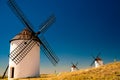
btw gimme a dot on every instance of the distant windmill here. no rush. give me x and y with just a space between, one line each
115 59
97 60
24 57
74 67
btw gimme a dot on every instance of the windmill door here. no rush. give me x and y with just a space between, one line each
12 72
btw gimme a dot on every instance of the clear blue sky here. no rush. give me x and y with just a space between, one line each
82 28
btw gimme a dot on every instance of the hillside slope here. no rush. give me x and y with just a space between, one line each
106 72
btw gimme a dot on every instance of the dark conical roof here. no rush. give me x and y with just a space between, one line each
26 34
73 66
98 59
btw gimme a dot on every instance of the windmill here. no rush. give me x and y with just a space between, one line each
24 57
115 59
97 60
74 67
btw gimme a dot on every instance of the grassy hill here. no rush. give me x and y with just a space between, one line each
106 72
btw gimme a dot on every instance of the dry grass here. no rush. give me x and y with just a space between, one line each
106 72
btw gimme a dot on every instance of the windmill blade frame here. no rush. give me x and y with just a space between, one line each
92 62
77 68
98 54
21 51
76 64
48 51
18 12
45 25
93 56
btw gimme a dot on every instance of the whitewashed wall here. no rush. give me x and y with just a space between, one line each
98 63
29 66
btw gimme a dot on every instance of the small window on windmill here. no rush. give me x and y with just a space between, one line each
25 43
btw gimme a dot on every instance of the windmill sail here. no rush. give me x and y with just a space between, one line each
44 26
20 52
98 54
22 49
93 60
14 7
92 63
48 51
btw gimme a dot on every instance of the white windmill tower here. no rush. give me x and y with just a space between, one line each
97 61
24 57
74 67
